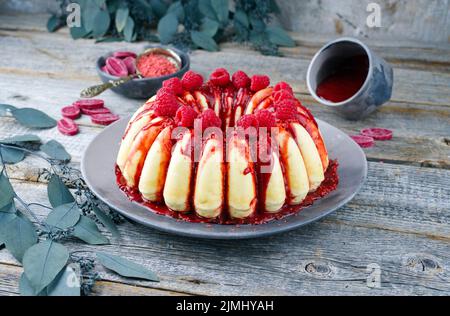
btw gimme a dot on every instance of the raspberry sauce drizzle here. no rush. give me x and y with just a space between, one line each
227 101
328 185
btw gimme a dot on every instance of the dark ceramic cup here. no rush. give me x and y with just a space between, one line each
142 88
374 92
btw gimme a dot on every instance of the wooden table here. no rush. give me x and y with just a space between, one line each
399 222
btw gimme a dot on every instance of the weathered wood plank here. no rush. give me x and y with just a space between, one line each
400 221
421 135
10 275
53 57
407 53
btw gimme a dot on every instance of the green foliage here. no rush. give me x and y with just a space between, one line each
49 267
87 231
55 150
125 267
19 235
64 216
33 118
43 262
187 24
58 193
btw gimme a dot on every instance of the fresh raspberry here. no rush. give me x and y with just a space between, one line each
286 110
220 77
259 82
283 86
174 84
164 91
249 120
240 79
266 119
210 119
192 80
281 95
166 103
185 116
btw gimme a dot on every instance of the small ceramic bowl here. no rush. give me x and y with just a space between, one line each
146 87
375 91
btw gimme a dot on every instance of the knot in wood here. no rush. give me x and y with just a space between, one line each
319 269
423 263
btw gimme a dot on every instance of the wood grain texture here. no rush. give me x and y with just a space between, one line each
419 117
399 220
419 20
52 59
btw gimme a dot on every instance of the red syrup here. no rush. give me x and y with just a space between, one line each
328 185
347 79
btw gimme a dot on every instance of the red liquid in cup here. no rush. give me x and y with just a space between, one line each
345 81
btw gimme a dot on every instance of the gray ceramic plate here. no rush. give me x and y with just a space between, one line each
98 171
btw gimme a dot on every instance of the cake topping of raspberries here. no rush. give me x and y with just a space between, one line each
281 95
259 82
210 119
266 119
166 103
286 110
220 77
174 85
249 120
192 80
283 86
163 92
240 79
185 116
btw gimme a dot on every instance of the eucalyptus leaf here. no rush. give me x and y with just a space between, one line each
125 267
7 214
204 41
53 23
207 10
64 216
43 262
6 108
55 150
279 36
11 155
109 39
20 234
88 14
167 27
10 208
33 118
241 17
26 289
78 32
87 231
257 24
101 23
159 7
209 27
100 3
57 192
18 139
220 7
128 32
6 191
66 283
106 220
274 6
121 18
177 8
